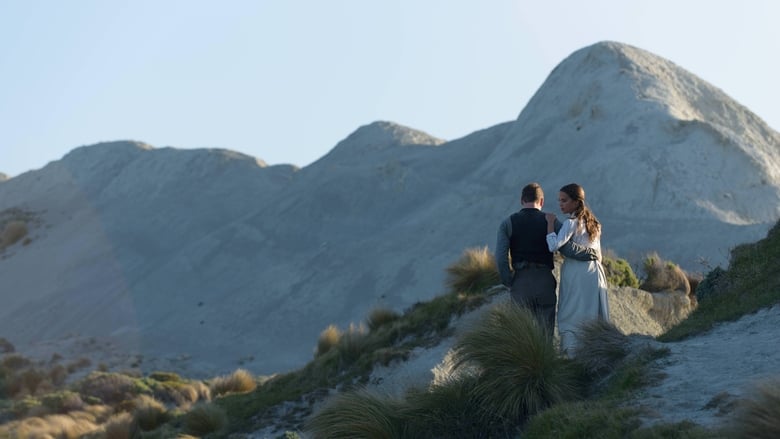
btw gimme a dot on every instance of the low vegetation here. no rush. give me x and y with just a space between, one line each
507 378
474 272
758 416
751 282
662 275
619 272
15 226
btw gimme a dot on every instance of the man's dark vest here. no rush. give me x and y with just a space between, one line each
528 241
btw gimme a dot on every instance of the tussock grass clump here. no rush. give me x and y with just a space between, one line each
51 426
354 342
663 275
329 338
111 388
521 370
240 381
600 347
474 272
179 392
449 409
12 233
205 418
758 416
379 317
149 413
119 426
358 414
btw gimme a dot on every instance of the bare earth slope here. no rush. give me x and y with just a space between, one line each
213 257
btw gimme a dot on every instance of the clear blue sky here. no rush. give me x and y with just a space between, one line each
286 80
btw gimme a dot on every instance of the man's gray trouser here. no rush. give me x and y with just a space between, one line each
534 288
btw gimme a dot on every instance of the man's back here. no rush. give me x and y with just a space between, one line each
527 241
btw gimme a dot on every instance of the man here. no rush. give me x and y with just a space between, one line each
523 237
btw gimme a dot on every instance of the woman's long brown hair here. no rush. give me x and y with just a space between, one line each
582 213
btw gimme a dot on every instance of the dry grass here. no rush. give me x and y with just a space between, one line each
111 388
12 233
474 272
119 426
240 381
51 426
379 317
353 343
663 275
329 339
149 413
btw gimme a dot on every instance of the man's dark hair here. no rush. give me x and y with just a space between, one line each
532 192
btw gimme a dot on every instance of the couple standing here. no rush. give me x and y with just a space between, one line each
530 237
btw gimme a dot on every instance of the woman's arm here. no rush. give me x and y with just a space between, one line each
556 240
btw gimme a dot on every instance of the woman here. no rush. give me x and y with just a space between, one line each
583 284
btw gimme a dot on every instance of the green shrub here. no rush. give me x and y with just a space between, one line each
240 381
474 272
57 374
22 407
15 362
358 414
205 418
585 419
711 284
62 402
663 276
521 370
165 376
379 317
619 272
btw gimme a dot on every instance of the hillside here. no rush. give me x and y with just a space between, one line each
210 259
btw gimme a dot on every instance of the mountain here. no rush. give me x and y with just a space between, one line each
213 259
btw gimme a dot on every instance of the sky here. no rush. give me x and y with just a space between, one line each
286 80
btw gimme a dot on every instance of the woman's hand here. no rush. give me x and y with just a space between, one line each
550 217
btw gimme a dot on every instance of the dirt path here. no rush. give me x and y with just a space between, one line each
706 375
